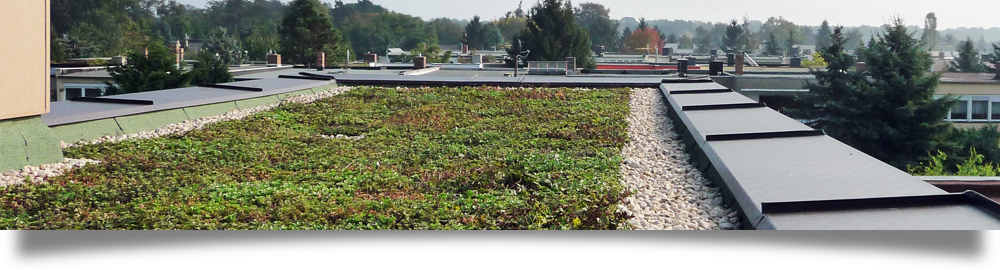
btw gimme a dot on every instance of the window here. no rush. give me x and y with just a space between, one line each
980 109
960 111
96 92
73 92
996 111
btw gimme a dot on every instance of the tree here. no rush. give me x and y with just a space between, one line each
968 59
491 36
854 39
552 35
341 11
949 39
792 40
643 41
209 69
595 18
227 48
307 31
703 40
57 52
474 33
262 41
930 37
672 38
642 24
995 59
448 31
823 36
510 27
772 47
376 32
621 42
685 42
748 41
734 33
150 71
893 115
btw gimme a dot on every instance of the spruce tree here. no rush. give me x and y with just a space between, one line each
150 68
642 24
823 36
790 44
889 111
210 69
552 34
772 47
672 38
306 30
968 59
994 57
734 34
474 33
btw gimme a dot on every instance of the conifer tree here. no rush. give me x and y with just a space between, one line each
823 36
734 34
552 34
968 59
994 58
474 33
672 38
772 47
150 68
306 31
889 111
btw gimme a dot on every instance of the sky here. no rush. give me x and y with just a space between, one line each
950 14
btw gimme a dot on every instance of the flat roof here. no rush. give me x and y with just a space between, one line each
68 112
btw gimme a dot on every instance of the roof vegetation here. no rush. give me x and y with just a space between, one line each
430 158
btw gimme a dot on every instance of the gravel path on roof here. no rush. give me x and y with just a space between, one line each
668 192
38 174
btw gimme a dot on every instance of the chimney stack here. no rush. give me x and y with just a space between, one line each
274 60
321 61
177 54
739 64
682 67
419 62
715 68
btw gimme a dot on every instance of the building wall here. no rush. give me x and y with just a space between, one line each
24 58
962 89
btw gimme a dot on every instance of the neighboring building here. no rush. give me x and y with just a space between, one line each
24 26
978 98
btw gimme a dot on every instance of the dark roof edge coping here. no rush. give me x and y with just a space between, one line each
144 109
959 178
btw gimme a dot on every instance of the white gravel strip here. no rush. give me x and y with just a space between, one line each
40 173
668 193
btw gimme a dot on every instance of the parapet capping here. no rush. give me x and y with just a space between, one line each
785 175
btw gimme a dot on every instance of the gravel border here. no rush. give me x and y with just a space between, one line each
668 193
38 174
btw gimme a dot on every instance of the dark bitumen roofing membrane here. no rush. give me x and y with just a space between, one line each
785 175
68 112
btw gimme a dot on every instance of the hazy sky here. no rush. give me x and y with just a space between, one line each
950 14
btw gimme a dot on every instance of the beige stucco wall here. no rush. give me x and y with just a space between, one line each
24 58
967 89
